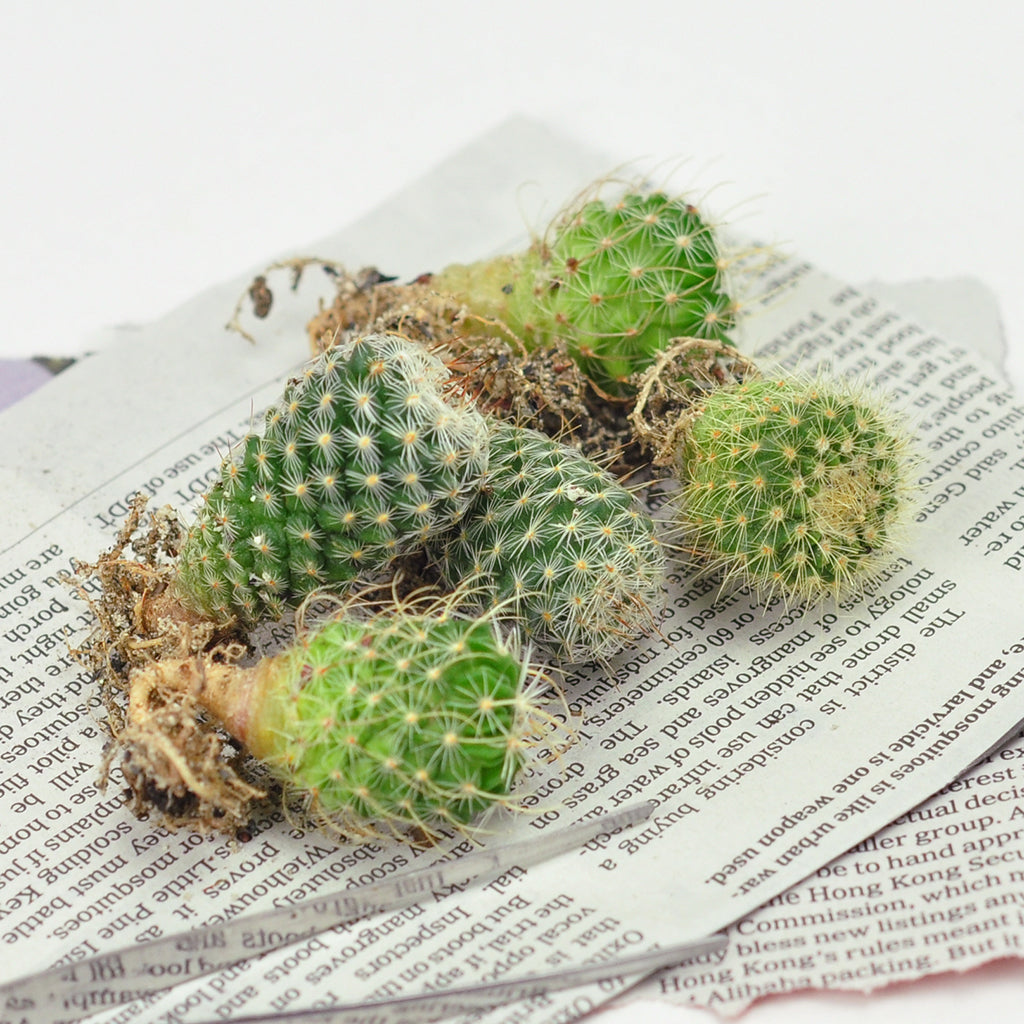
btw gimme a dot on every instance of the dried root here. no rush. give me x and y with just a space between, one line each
177 765
670 389
137 621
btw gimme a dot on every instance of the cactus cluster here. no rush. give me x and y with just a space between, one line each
795 487
614 280
414 722
554 542
364 455
394 727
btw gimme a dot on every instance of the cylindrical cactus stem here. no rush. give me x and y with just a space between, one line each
363 459
396 727
555 543
794 487
614 280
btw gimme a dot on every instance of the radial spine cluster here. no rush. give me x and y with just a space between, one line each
363 456
615 280
555 543
794 487
410 721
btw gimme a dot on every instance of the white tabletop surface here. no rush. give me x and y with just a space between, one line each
151 149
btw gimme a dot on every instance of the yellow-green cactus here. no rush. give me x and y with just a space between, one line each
397 727
794 487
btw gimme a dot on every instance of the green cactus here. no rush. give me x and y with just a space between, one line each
614 280
362 457
794 487
395 727
555 542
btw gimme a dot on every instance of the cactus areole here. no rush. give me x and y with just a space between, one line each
794 487
615 280
363 456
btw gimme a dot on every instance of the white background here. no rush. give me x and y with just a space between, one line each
148 150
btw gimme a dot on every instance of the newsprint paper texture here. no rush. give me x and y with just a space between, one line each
771 740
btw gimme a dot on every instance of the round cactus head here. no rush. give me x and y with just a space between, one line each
412 722
556 544
418 722
616 280
363 458
794 487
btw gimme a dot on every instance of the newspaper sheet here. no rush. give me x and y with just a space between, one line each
772 740
884 915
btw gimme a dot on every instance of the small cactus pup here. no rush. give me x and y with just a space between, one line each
615 280
557 544
794 487
415 721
